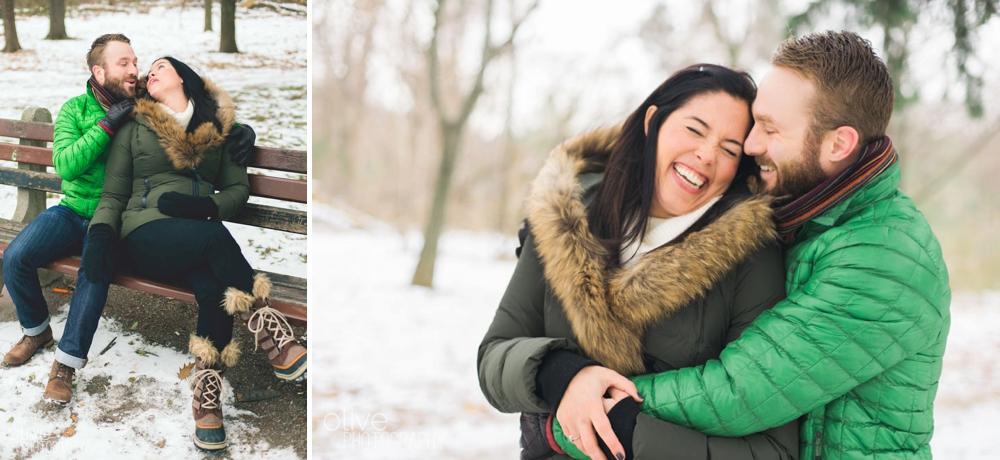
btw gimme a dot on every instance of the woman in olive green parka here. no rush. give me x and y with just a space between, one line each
170 182
583 298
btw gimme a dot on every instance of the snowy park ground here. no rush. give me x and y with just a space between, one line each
127 404
398 380
267 81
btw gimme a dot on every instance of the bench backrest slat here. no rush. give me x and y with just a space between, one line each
32 130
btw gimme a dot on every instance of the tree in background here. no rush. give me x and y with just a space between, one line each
11 45
208 15
227 29
57 20
451 126
896 18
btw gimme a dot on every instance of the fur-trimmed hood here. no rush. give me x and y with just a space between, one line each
186 150
609 311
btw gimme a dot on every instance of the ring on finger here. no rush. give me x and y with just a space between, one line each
573 438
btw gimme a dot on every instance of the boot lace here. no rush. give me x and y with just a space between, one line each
276 325
213 392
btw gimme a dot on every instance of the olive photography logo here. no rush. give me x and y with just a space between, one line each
373 431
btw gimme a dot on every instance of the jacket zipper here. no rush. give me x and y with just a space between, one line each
148 188
818 446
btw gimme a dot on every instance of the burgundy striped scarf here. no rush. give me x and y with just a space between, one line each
104 98
875 158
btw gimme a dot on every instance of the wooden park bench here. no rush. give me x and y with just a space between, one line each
32 156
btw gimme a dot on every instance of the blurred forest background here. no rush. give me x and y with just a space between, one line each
437 115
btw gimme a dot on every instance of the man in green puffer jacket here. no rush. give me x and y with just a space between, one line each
856 348
83 130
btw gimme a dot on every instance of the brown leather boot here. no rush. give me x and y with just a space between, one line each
270 329
207 388
59 390
27 346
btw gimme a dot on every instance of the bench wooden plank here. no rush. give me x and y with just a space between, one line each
286 220
36 131
294 161
257 215
286 160
286 295
25 154
278 188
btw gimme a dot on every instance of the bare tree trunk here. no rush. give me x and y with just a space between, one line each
227 44
424 274
57 20
208 15
451 132
11 45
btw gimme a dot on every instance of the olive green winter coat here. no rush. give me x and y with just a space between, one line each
152 155
79 151
678 306
857 345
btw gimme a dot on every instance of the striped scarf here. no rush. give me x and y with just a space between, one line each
104 98
875 158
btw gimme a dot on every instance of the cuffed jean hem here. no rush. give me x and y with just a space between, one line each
33 331
67 359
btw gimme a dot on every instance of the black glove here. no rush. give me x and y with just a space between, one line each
243 148
184 206
99 255
117 115
622 418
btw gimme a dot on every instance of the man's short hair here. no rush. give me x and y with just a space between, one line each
96 54
853 86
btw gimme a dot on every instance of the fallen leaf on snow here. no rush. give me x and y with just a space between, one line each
69 432
185 371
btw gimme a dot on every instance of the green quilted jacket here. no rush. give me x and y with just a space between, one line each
79 152
857 346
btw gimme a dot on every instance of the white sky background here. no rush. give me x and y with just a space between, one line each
591 51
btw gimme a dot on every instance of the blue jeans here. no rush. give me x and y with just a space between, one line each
57 232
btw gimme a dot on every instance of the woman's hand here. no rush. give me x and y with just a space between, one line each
184 206
583 409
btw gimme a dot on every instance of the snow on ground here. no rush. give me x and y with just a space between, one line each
267 81
397 378
131 392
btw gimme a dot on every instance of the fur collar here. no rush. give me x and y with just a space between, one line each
609 312
186 150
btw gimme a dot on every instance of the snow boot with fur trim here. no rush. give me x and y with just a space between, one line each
206 384
270 329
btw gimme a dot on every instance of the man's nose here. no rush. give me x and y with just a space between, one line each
756 143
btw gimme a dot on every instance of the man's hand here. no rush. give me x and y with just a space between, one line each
116 115
243 147
582 410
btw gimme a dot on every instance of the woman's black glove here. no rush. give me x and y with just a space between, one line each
184 206
243 148
99 254
116 115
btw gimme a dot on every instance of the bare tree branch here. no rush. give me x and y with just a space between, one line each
434 63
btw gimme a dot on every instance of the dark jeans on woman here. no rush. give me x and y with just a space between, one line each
200 254
57 232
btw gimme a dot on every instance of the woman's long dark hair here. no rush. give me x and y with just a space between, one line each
620 211
194 89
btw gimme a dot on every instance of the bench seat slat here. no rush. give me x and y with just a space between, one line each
286 297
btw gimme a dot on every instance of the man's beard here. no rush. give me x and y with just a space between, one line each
116 86
796 178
